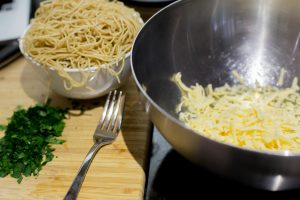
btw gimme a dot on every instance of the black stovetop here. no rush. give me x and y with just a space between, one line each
170 176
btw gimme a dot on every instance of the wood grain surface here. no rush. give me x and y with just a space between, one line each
117 171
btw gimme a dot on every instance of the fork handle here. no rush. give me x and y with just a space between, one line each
76 185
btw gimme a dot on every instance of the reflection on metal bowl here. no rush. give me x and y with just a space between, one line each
206 40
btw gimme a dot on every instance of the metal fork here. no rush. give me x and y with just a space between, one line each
105 133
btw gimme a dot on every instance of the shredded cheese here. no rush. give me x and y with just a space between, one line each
255 117
281 77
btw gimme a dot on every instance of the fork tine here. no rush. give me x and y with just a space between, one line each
110 111
116 111
105 108
120 116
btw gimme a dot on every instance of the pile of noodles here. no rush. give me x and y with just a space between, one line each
81 34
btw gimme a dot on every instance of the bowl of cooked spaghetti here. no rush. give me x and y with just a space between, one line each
81 48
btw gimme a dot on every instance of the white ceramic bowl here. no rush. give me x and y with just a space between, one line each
102 82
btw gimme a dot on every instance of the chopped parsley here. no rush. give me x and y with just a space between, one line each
26 145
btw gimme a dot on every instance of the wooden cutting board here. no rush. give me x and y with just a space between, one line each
117 171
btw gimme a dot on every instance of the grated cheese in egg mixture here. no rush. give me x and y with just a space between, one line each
258 117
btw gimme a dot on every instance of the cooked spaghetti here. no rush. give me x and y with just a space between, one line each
258 117
81 34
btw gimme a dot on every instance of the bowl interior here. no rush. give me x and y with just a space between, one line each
206 40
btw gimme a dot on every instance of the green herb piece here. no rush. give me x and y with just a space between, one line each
2 127
26 145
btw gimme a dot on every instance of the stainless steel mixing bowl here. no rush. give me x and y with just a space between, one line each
206 40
